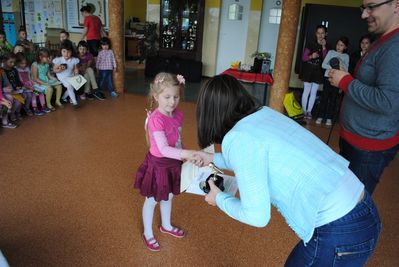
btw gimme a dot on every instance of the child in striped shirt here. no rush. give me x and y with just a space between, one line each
105 64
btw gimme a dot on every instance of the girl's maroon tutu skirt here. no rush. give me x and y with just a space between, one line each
157 177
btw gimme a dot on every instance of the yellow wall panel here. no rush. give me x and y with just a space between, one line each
353 3
256 5
213 3
137 8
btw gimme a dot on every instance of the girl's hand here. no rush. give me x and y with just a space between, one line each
211 196
187 154
201 158
335 76
314 55
6 103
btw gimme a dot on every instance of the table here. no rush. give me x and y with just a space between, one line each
251 77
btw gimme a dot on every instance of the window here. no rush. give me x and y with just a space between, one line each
235 12
275 16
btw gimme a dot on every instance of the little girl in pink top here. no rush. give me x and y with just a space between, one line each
158 177
24 73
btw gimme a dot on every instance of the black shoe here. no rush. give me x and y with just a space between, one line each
90 96
64 101
99 95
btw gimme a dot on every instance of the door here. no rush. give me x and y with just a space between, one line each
232 34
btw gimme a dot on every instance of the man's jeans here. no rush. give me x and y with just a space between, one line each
367 165
348 241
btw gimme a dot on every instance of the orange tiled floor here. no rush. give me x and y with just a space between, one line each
66 198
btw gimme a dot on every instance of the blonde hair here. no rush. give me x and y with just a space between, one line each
162 81
165 80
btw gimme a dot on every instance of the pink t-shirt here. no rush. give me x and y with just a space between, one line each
161 127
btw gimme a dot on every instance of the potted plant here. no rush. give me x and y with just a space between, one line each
149 45
261 62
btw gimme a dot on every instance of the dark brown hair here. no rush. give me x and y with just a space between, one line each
43 52
222 102
85 8
65 32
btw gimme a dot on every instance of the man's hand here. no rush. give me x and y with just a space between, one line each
335 76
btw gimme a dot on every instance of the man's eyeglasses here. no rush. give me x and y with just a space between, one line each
370 8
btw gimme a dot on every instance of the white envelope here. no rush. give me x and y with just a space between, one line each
76 81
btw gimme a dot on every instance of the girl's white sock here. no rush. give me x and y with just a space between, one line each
148 216
166 211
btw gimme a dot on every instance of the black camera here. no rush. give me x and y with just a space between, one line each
64 66
217 179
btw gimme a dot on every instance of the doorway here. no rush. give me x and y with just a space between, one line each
232 34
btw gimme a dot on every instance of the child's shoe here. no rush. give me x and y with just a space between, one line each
100 96
83 96
318 121
46 110
114 94
152 244
38 112
89 96
59 105
328 122
28 112
9 125
176 232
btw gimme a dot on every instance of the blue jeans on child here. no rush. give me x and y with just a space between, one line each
106 80
367 165
348 241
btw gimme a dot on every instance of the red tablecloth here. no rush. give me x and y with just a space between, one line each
250 77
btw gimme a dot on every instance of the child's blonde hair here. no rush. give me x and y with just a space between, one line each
165 80
161 81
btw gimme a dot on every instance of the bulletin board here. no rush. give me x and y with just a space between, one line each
75 19
42 14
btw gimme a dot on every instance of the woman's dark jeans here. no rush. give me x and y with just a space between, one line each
348 241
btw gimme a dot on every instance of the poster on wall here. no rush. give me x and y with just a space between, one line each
42 14
97 9
75 19
6 5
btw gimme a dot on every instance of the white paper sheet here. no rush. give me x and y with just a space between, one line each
191 176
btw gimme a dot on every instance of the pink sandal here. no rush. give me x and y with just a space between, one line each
153 246
176 232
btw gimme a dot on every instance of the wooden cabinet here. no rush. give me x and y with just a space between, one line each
181 28
131 47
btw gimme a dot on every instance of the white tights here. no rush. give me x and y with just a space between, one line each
309 89
148 214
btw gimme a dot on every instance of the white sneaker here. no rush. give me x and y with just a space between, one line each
328 122
319 120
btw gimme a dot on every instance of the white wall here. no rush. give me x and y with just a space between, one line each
269 32
232 36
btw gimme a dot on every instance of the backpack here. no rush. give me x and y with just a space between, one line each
293 108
